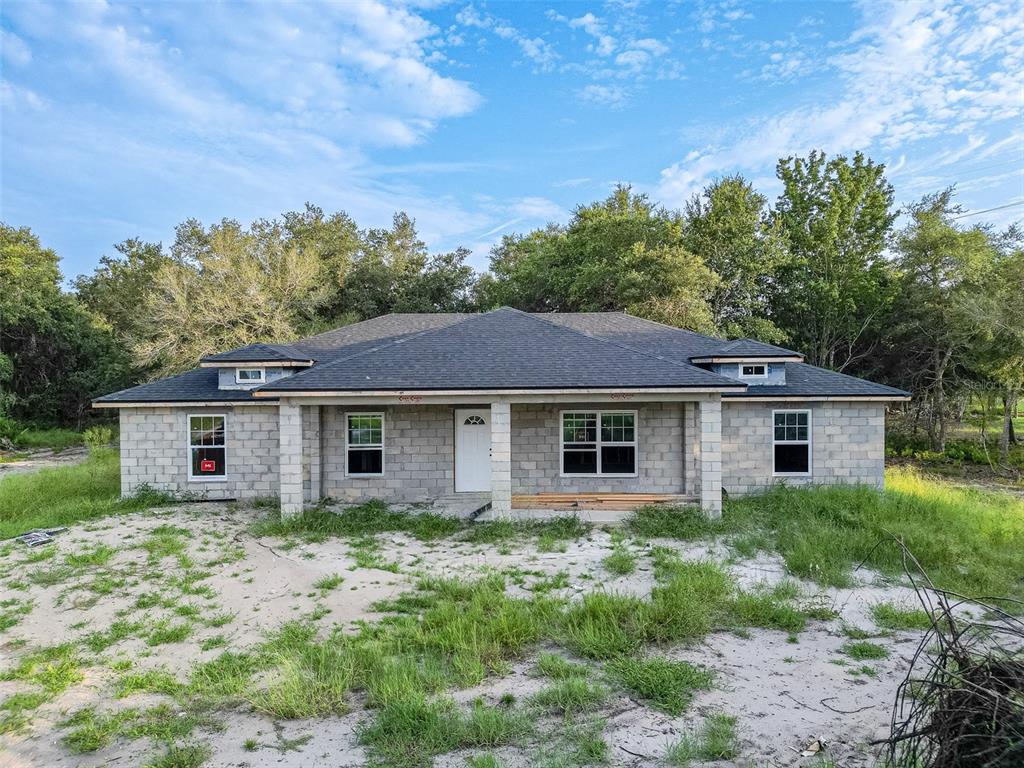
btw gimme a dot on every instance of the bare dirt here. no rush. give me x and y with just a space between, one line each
24 462
786 692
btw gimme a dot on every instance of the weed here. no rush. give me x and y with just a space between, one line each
571 695
54 669
559 668
327 583
164 632
150 681
668 685
367 519
894 617
98 555
672 522
621 561
861 650
120 629
716 740
186 756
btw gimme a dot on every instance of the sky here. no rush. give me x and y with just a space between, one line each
481 119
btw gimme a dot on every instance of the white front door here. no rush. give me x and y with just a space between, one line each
472 449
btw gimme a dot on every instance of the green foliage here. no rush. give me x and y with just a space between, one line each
836 216
182 756
559 668
98 437
894 617
862 650
55 356
570 695
24 435
621 561
65 495
668 685
715 740
362 520
968 541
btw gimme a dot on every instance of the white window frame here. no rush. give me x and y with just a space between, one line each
746 376
599 443
808 442
188 448
363 447
261 380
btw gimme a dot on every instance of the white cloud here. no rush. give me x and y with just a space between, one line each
536 49
603 95
13 49
903 76
605 44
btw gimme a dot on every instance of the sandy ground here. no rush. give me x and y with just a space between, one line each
785 694
23 462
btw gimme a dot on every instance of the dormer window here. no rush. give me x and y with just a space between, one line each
753 371
250 375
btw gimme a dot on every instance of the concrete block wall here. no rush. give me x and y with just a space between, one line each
536 463
847 444
154 452
711 456
419 454
501 458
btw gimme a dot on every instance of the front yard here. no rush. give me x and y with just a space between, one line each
208 633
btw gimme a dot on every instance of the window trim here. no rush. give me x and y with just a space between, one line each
809 442
747 376
188 448
598 412
261 380
383 443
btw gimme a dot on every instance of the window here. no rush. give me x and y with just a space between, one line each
249 375
599 443
206 448
474 421
759 371
791 442
364 444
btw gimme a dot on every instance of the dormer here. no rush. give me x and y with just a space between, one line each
256 364
752 362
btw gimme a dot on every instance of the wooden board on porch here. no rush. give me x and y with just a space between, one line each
617 501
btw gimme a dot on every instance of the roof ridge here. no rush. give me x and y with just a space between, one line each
540 318
322 366
659 324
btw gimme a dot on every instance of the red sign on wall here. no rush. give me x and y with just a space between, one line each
207 465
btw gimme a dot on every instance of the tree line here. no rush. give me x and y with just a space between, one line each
928 302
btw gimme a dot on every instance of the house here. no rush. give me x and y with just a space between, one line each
519 409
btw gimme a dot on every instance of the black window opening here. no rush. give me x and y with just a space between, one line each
364 436
599 443
791 438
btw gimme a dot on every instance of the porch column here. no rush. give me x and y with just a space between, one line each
290 462
711 456
315 461
501 458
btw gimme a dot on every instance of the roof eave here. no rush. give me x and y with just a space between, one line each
747 359
205 363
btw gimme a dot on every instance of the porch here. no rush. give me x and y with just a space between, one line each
591 453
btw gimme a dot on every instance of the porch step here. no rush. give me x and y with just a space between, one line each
596 501
595 516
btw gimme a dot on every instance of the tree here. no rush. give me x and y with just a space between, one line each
54 356
730 227
832 295
226 287
120 285
945 275
620 253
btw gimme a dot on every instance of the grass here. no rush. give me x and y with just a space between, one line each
119 630
621 562
327 583
367 519
716 740
969 541
164 632
409 732
894 617
862 650
25 436
668 685
182 756
61 496
559 668
570 696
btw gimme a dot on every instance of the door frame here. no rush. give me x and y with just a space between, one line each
459 414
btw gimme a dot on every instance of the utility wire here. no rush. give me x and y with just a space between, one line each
989 210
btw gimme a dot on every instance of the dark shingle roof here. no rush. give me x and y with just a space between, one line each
198 385
803 380
751 348
504 349
260 353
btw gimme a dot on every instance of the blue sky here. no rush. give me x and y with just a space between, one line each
123 119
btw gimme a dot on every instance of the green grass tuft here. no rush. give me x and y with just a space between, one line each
668 685
894 617
621 561
367 519
716 740
570 696
862 650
